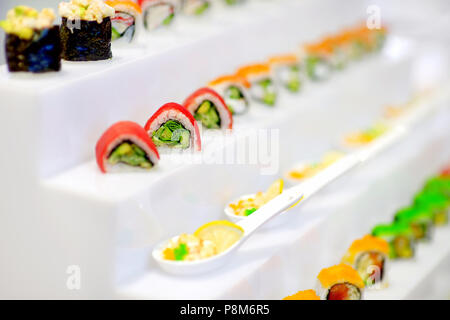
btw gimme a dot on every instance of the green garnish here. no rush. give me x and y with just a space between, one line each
234 93
248 212
172 134
202 8
180 252
269 96
231 2
168 19
294 79
207 115
130 154
114 34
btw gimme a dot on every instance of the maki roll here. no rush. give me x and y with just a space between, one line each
174 126
158 13
400 238
32 43
86 30
125 144
368 256
340 282
419 219
303 295
287 71
435 203
210 109
126 21
317 60
262 88
233 89
195 7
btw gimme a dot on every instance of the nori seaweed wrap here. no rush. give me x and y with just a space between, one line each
84 40
41 53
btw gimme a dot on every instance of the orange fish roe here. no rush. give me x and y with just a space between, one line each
303 295
284 59
366 243
253 69
230 78
339 274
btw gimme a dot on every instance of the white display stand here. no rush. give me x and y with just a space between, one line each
58 210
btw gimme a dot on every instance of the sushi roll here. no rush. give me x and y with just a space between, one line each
157 13
317 61
174 126
260 77
86 30
287 71
340 282
125 144
369 256
420 221
436 203
126 21
208 107
32 43
195 7
234 90
303 295
400 238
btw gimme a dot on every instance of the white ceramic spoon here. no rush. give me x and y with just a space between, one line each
265 213
274 207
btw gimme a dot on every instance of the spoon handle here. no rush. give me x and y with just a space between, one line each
270 210
327 175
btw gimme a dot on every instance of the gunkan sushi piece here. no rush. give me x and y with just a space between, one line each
208 107
287 71
157 13
174 126
420 221
340 282
369 256
234 90
125 145
400 238
303 295
195 7
260 77
126 21
32 43
86 30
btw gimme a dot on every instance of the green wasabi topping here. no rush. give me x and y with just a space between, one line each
202 8
269 96
207 115
130 154
420 221
248 212
293 84
400 238
172 134
180 252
